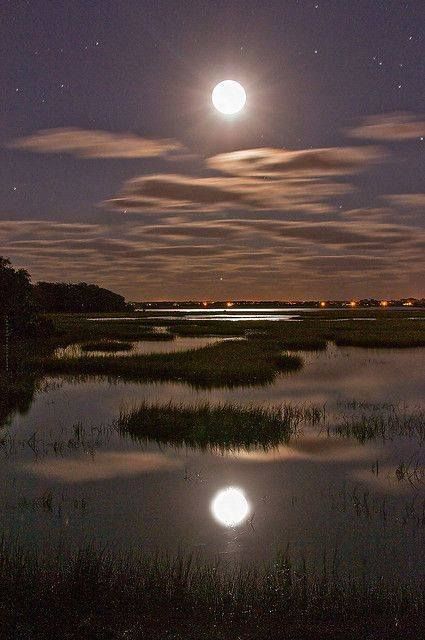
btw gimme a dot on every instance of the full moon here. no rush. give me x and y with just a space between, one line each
229 97
230 507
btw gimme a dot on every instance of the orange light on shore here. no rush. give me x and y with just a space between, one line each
408 304
205 304
384 303
229 304
353 303
323 304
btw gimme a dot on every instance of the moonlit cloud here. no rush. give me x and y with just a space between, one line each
84 143
152 260
407 200
160 193
245 221
256 179
305 163
391 127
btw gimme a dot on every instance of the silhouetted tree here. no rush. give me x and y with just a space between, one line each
66 297
17 307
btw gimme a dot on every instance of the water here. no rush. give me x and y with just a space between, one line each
318 495
230 313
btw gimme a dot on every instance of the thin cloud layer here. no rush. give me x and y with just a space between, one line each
223 257
256 179
248 220
305 163
173 192
392 126
84 143
409 200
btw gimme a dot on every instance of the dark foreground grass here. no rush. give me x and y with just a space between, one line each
107 346
224 426
101 595
227 363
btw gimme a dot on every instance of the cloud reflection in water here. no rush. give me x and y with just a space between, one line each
104 466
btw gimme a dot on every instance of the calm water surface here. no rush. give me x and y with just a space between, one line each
317 495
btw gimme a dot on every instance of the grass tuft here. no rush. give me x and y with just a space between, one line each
228 363
227 426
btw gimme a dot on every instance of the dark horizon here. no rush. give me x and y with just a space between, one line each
407 302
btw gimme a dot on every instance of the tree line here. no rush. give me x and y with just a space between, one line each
21 302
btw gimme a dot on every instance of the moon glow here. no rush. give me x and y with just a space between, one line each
229 97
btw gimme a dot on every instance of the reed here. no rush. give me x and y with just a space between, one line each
226 426
99 593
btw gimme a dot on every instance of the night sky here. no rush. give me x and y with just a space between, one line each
116 169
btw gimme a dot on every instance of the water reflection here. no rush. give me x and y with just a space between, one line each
104 466
311 448
230 507
366 500
143 347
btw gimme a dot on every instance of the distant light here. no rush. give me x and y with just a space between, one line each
205 304
229 304
384 303
323 304
230 507
353 303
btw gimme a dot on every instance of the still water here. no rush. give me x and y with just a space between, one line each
69 478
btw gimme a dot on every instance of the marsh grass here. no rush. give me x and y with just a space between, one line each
227 363
76 328
81 438
224 426
412 470
382 422
377 330
366 328
101 594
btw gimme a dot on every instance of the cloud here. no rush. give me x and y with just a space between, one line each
391 126
408 200
173 192
84 143
256 179
305 163
222 256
